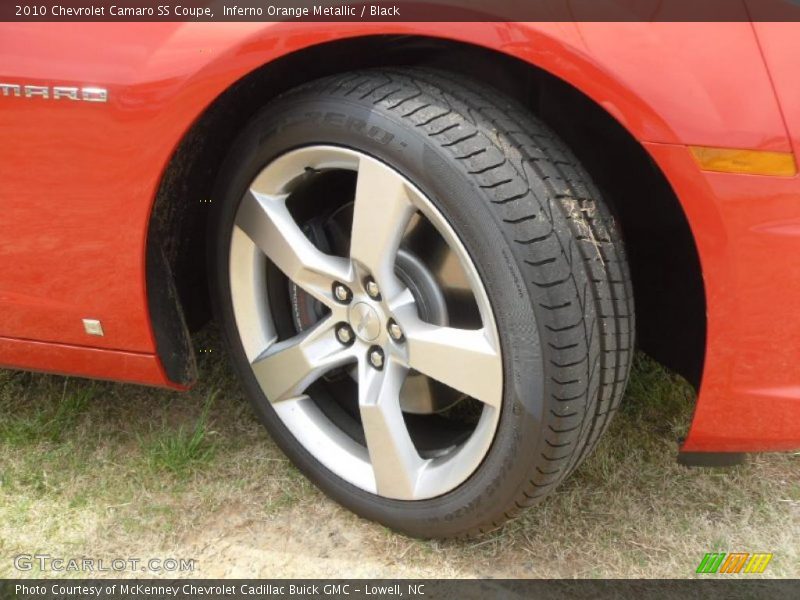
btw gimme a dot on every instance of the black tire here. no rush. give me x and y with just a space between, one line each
543 241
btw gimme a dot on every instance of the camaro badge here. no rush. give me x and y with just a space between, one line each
58 92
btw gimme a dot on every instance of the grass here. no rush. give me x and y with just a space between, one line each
183 450
43 421
109 470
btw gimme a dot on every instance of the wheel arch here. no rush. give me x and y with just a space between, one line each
667 277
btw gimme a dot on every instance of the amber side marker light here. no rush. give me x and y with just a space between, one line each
751 162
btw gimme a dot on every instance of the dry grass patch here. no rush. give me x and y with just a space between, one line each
111 470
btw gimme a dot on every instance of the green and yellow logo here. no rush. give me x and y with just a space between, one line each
735 562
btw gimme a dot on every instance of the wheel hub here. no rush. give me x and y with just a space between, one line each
365 321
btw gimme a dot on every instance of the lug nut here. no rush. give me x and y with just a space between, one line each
375 356
344 334
342 293
394 330
372 289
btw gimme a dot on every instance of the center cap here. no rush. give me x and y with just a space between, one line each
365 321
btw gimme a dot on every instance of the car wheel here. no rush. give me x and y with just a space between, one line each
423 294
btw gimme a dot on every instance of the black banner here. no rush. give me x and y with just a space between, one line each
400 10
360 589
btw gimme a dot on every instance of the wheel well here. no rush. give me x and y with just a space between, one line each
667 279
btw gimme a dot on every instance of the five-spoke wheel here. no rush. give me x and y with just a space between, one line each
423 295
372 323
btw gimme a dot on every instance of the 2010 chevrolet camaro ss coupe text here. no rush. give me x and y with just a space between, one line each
423 243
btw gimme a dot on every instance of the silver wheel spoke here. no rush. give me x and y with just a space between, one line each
266 220
395 461
381 213
464 359
287 368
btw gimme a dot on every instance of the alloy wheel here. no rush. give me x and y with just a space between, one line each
372 328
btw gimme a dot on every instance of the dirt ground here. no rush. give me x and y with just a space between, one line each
107 470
